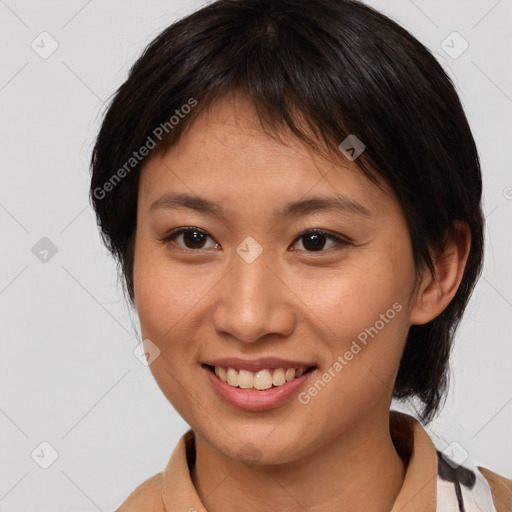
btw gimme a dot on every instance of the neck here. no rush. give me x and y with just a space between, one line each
358 470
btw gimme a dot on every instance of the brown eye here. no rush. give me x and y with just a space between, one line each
191 238
316 240
194 238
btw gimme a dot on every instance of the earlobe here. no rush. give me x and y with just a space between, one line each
436 291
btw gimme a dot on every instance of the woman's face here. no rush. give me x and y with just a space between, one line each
250 280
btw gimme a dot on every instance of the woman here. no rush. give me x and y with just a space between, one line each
294 196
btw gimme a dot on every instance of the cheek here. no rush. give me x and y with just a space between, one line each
369 328
151 296
170 304
354 298
157 308
365 319
163 303
156 289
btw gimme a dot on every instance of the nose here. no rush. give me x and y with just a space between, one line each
253 301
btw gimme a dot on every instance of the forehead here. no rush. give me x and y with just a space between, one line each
226 152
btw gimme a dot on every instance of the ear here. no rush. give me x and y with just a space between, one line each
435 292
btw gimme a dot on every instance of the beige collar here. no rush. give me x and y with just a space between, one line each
418 492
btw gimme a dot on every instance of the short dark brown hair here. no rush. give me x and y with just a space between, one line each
325 69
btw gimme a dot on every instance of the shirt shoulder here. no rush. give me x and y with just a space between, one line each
147 496
501 489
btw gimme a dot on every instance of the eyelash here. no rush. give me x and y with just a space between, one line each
340 240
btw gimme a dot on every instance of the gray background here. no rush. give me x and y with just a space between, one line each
68 375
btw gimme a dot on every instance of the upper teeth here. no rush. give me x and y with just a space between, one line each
263 379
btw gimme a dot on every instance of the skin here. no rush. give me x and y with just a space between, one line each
292 302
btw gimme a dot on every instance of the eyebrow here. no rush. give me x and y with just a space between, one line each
340 204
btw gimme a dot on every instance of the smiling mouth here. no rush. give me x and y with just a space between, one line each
260 380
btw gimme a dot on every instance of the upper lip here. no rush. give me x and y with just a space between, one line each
256 365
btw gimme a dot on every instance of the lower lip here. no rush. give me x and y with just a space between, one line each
254 399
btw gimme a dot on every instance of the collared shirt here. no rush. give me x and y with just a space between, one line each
434 481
